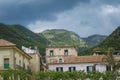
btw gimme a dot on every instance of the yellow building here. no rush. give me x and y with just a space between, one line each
13 58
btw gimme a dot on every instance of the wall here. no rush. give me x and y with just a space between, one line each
6 53
21 58
35 62
59 53
79 66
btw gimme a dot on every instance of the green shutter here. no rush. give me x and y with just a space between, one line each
6 66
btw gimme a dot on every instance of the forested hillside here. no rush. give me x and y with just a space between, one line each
21 36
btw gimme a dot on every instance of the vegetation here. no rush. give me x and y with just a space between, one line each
53 75
113 40
14 74
21 36
63 37
74 75
60 37
115 64
94 39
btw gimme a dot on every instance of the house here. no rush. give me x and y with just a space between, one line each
66 59
86 63
12 57
55 54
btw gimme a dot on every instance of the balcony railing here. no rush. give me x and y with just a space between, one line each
23 68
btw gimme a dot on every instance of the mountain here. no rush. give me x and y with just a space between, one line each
64 37
21 36
113 40
94 39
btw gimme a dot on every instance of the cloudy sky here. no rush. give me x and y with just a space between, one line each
85 17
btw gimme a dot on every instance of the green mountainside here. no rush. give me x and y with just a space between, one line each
64 37
113 40
94 39
21 36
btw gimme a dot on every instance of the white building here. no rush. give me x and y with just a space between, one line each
86 63
57 60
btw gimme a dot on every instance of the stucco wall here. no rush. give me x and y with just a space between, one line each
80 66
21 58
60 51
6 53
12 54
35 62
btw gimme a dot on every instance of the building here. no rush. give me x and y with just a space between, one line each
13 58
66 59
86 63
36 61
56 54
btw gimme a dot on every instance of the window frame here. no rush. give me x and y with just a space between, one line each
89 68
59 69
6 64
51 53
108 68
72 68
66 52
60 60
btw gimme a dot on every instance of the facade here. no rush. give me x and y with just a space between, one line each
86 63
36 61
58 60
13 58
56 54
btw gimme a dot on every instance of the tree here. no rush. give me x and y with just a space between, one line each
111 61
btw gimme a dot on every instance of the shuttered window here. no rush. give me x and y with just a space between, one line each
59 68
6 63
72 69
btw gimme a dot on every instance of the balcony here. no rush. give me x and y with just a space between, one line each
19 67
23 68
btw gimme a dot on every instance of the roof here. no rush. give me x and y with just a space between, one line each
80 59
53 46
5 43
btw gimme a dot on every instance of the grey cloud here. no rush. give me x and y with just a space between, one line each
32 10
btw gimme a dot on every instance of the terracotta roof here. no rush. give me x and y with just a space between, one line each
5 43
80 59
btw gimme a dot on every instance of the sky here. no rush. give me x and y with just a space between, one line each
85 17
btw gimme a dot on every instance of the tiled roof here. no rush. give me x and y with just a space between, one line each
5 43
84 59
80 59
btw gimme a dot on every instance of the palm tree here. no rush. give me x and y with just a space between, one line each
111 61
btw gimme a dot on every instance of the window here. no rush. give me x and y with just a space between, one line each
72 69
20 62
51 53
51 60
60 60
59 68
28 67
15 61
65 52
23 65
89 68
6 63
108 68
